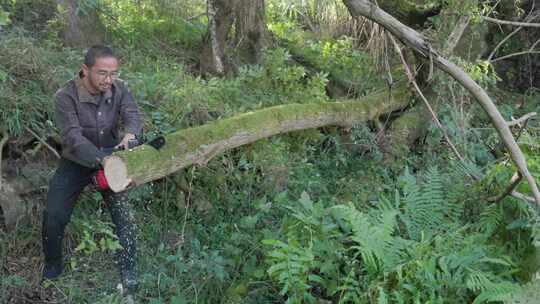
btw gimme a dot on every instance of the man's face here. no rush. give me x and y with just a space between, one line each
102 74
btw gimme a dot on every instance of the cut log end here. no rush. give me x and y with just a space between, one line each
116 173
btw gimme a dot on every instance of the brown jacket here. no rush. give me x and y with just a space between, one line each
90 124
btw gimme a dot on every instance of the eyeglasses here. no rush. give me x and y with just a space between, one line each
105 74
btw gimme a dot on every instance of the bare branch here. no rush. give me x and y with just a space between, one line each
514 23
522 119
490 58
514 181
531 50
514 55
527 19
41 140
522 196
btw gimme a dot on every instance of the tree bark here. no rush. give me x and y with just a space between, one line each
82 28
217 48
251 31
420 45
200 144
246 19
220 20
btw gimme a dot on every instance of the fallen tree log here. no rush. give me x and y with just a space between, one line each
200 144
420 45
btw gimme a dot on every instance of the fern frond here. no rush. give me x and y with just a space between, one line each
490 219
350 290
426 208
374 238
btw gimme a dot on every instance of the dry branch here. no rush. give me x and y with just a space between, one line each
529 18
522 119
43 142
502 42
514 181
198 145
524 197
514 55
514 23
419 44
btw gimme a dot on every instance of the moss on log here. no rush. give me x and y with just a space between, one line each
405 130
200 144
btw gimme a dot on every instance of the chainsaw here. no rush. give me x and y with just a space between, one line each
100 181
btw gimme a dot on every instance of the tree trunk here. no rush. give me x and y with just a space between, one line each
421 46
200 144
251 31
82 27
221 52
220 20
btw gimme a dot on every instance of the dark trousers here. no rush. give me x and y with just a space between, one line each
65 187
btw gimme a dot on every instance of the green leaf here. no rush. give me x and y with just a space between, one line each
249 222
382 296
315 278
4 18
258 274
81 247
271 242
73 264
305 200
518 224
277 267
3 75
178 300
495 261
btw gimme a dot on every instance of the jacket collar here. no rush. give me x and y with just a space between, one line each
84 95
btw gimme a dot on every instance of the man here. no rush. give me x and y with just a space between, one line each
89 109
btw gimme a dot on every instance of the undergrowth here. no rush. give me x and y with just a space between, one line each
411 246
30 72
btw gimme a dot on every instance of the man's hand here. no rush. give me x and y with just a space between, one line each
124 143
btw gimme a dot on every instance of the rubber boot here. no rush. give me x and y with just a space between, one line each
53 269
129 282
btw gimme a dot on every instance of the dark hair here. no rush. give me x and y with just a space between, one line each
97 51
